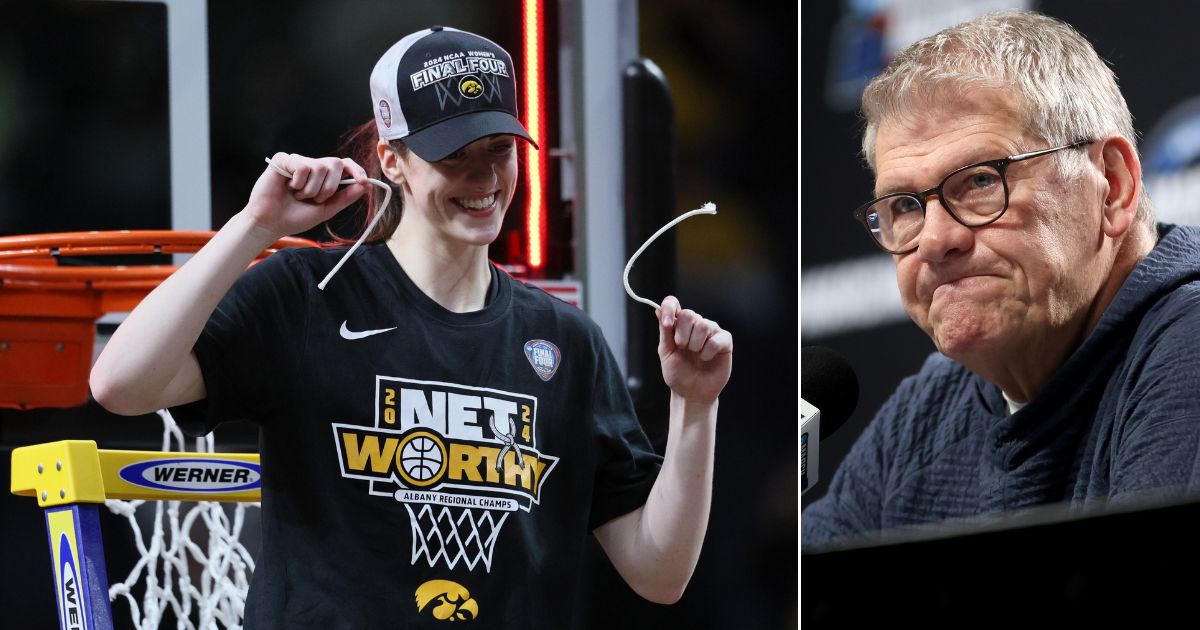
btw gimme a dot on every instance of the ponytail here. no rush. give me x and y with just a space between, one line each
359 143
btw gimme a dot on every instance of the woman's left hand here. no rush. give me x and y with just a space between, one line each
696 353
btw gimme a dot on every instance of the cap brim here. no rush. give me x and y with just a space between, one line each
435 142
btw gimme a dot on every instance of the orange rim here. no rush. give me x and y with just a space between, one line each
27 261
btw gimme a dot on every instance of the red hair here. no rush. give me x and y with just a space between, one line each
360 145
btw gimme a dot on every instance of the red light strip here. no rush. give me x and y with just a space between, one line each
535 122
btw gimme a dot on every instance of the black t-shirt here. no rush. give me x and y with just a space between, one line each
418 464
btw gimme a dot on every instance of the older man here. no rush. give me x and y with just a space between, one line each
1009 193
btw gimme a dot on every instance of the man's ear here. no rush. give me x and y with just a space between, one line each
1123 172
389 161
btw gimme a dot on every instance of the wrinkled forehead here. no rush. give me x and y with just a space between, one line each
984 95
916 146
930 114
925 102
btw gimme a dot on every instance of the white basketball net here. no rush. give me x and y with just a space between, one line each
437 533
172 559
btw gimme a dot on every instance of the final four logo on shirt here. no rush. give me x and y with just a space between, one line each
544 357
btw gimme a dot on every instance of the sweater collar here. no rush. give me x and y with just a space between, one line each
1073 391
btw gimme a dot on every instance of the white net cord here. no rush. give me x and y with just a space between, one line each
209 583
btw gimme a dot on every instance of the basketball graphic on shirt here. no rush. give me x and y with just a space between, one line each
460 458
422 458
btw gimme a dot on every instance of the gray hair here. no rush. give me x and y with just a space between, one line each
1064 90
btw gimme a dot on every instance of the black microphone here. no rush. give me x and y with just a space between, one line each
828 395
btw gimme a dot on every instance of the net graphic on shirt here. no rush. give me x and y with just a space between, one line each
460 458
454 535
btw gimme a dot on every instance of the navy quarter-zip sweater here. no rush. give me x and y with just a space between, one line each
1119 419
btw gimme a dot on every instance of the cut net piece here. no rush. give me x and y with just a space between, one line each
439 533
221 567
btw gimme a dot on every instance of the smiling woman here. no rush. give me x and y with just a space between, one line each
454 202
423 386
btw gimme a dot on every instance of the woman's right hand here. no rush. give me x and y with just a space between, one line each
149 362
281 206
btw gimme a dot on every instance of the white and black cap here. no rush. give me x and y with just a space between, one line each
441 89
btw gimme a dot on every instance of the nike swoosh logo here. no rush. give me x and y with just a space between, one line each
350 334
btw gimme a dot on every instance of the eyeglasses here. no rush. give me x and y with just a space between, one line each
974 195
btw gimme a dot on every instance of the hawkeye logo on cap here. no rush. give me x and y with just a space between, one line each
470 87
544 357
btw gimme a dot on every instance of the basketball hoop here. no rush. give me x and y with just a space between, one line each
48 312
453 535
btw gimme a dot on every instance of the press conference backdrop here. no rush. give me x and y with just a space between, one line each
849 299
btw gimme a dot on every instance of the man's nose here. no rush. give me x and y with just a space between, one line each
941 234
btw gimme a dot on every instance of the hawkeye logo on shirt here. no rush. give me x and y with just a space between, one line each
460 459
446 600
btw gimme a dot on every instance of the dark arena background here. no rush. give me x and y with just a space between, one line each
850 304
157 115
